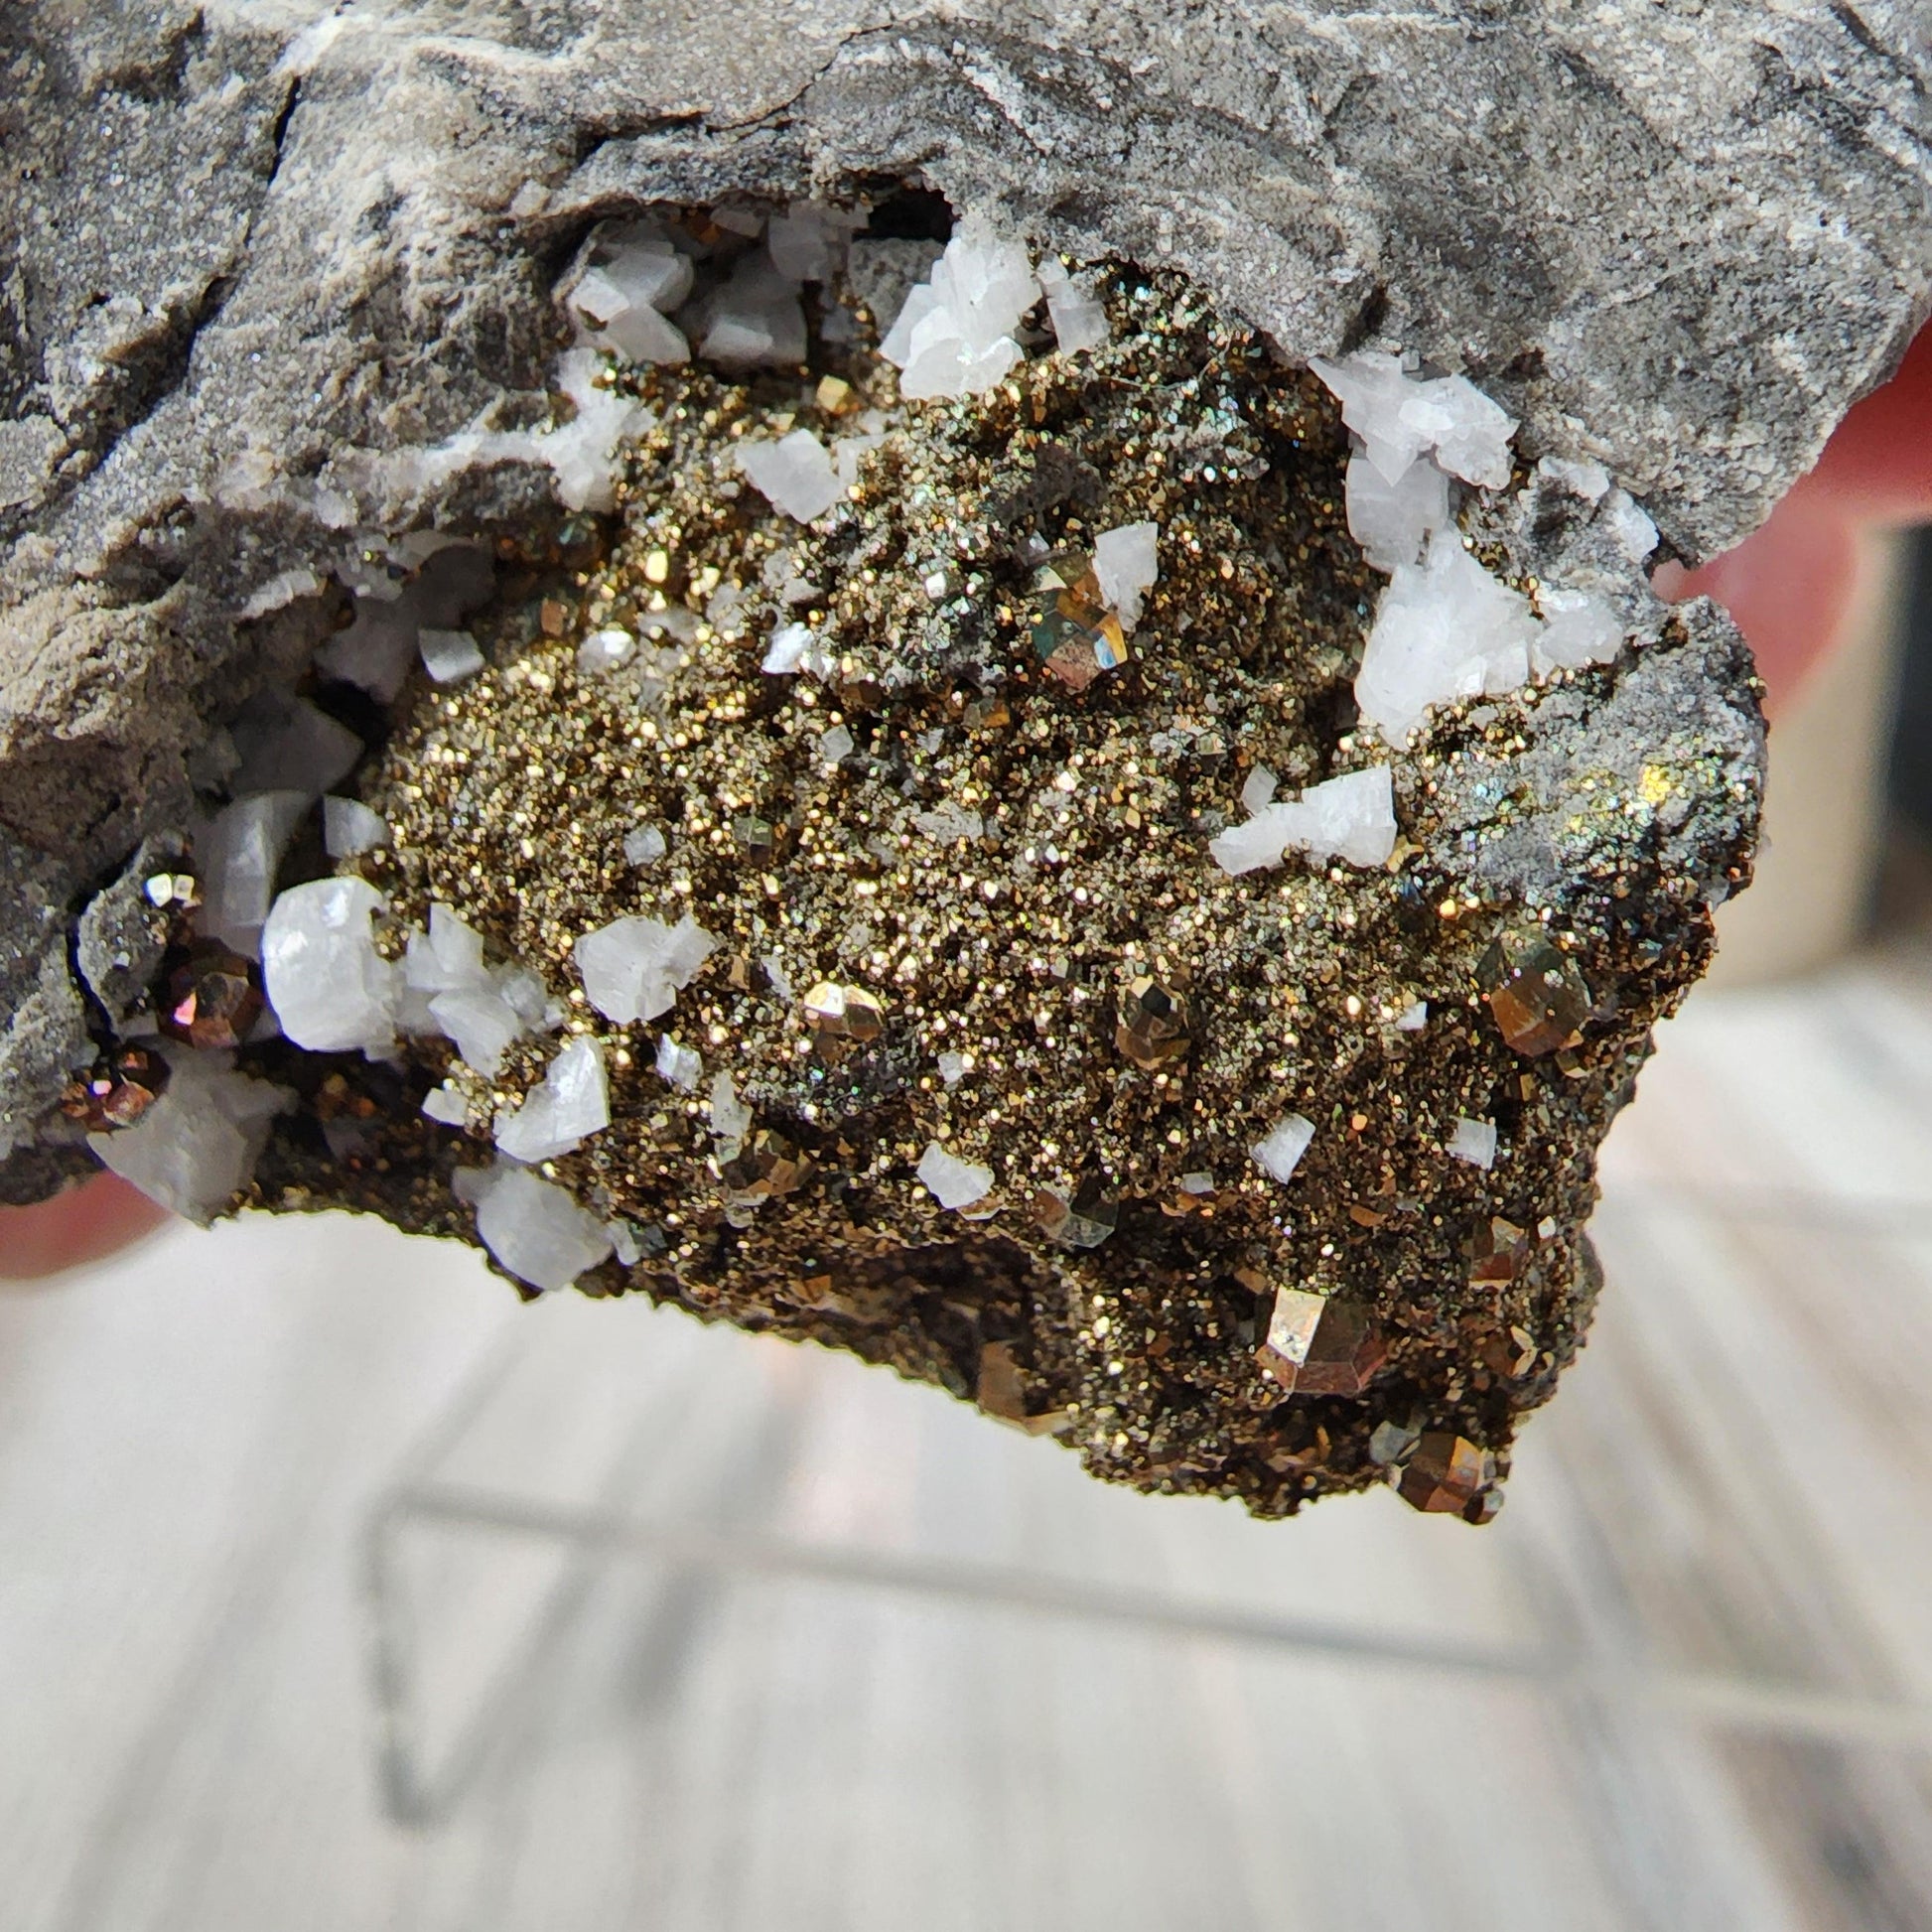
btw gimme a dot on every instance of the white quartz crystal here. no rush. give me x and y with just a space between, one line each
1079 318
774 971
448 656
1279 1152
948 823
1413 1018
730 1119
572 1103
756 320
807 242
1468 433
682 1066
1473 1141
1445 628
1351 817
1393 520
330 989
199 1143
445 1104
1632 525
481 1023
1257 841
583 454
848 450
634 969
534 1228
1401 417
625 301
238 856
608 649
634 330
1587 478
1576 629
796 473
954 336
287 744
379 650
645 265
1126 563
952 1068
349 827
835 745
1258 789
645 846
953 1183
795 648
448 989
446 958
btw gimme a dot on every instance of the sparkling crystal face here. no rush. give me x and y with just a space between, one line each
117 1091
1448 1474
1084 1222
212 999
1536 993
1321 1345
1152 1028
1075 635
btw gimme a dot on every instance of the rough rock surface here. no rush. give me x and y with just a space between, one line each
257 258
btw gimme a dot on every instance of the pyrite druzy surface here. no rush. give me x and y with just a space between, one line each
257 260
1004 875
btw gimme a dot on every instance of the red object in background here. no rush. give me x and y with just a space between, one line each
86 1223
1790 582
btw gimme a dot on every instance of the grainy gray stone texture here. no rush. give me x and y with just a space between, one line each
252 252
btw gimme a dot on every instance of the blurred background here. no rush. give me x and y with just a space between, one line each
339 1592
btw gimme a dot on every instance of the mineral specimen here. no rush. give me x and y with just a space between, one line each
696 568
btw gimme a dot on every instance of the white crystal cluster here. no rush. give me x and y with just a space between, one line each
448 988
198 1143
1445 629
1079 317
955 335
334 993
279 757
1402 419
584 454
1351 818
626 299
398 625
633 969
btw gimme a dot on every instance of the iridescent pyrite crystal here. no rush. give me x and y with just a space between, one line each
975 1062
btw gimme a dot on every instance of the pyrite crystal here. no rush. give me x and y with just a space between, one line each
564 511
